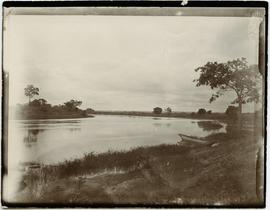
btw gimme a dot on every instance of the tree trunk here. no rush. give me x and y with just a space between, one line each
240 113
240 108
29 101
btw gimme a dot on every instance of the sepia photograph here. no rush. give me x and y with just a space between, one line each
134 106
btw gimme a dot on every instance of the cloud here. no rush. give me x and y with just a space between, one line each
123 63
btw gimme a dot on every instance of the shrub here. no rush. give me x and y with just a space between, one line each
169 110
157 110
201 111
232 110
90 111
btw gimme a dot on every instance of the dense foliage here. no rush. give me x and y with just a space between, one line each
157 110
201 111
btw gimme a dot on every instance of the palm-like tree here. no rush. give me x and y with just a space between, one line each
30 91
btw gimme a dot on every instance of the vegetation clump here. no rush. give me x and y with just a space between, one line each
157 110
201 111
41 109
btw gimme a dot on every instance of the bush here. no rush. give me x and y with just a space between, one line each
232 111
38 102
90 111
157 110
201 111
168 110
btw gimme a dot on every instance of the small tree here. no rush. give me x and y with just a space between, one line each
235 76
201 111
157 110
168 110
30 91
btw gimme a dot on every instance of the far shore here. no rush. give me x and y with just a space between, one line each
173 114
189 115
222 117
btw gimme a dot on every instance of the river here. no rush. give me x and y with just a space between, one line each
52 141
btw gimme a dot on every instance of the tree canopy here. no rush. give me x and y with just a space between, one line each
72 104
38 102
169 110
235 75
157 110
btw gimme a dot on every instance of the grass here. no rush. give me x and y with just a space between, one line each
94 163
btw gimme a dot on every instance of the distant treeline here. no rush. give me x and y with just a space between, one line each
227 116
41 109
165 114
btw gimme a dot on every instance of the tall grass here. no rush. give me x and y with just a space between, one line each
94 163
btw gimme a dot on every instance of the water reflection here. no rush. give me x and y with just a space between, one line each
53 141
209 125
168 124
31 137
162 124
75 129
38 122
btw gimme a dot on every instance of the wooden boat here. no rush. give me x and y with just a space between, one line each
191 138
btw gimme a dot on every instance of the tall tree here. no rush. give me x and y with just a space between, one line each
235 76
30 91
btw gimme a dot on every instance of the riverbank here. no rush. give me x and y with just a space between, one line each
220 173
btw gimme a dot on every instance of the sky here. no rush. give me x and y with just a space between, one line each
124 62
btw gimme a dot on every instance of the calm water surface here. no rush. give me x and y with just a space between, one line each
53 141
